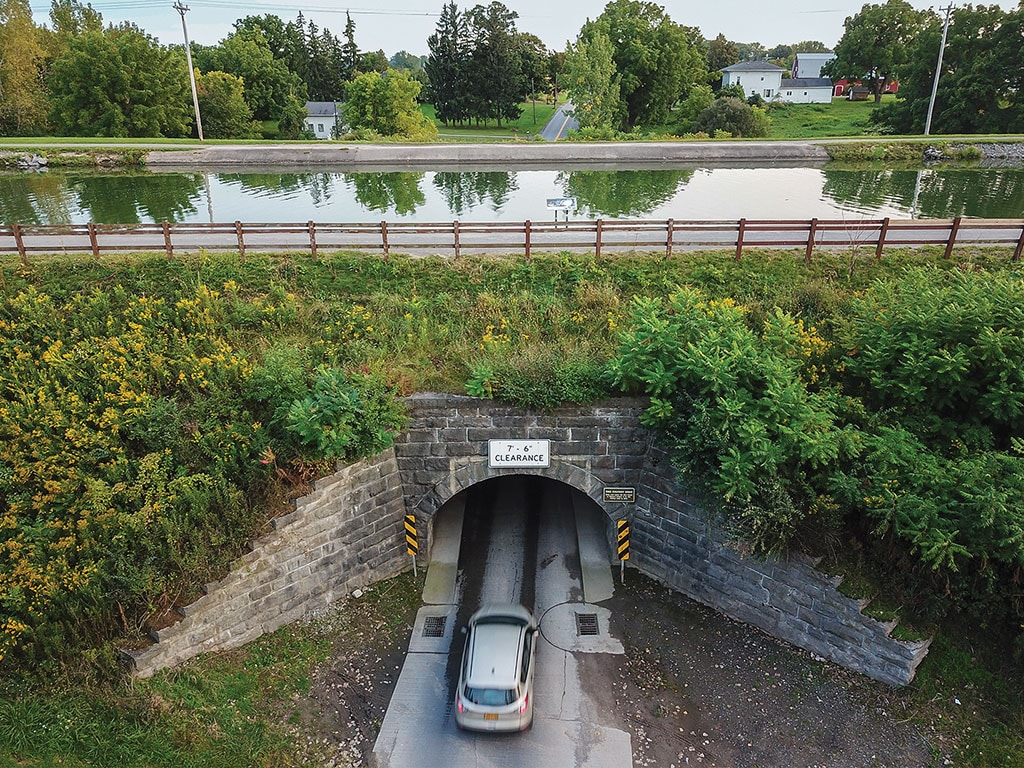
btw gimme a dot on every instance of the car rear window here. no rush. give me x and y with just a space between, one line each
491 697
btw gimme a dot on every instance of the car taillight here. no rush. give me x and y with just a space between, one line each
458 703
526 703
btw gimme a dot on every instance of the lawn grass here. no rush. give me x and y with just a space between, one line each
816 121
534 116
238 708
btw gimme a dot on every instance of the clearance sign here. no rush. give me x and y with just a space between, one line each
518 453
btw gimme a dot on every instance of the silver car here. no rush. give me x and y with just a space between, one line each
495 690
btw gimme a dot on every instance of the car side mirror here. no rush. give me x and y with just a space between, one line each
464 630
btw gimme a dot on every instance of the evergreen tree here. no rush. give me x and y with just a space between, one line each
348 59
447 66
498 84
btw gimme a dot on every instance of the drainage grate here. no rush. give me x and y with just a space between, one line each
586 624
433 626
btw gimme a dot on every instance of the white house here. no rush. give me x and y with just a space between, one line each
322 118
758 78
808 65
806 90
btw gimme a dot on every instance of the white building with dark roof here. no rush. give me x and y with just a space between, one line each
322 118
758 78
806 90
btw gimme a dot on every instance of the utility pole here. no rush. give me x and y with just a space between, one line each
183 9
938 68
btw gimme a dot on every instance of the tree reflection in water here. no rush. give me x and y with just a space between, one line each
622 194
317 185
383 191
135 198
978 192
122 198
463 192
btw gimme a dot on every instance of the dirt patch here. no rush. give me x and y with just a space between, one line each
693 689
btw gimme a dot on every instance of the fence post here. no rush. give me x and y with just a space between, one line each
93 242
384 239
739 238
167 240
16 229
455 234
881 237
527 234
810 239
241 241
671 224
597 238
952 236
1020 246
312 237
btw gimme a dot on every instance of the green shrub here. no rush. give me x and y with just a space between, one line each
733 116
738 408
345 416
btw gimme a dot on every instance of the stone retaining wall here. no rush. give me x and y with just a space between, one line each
348 533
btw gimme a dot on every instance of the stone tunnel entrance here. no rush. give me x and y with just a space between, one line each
350 532
516 513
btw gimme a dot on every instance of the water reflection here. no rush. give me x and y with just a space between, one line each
983 192
136 198
463 192
383 192
497 195
318 186
35 198
619 194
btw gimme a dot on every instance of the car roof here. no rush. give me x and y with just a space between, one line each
494 654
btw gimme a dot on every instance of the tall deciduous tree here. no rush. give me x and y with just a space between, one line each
22 102
656 59
222 106
592 82
876 45
386 103
979 87
70 18
447 66
119 82
721 53
246 54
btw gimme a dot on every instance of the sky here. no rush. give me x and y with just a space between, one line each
395 25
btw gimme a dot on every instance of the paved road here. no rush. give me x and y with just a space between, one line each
520 550
560 124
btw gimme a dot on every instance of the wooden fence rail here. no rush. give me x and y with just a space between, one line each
459 237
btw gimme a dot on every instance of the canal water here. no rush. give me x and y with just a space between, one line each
681 193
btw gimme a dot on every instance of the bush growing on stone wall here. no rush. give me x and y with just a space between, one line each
921 455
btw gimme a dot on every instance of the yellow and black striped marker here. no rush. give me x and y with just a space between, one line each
412 546
623 539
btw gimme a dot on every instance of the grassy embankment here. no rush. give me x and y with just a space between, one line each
425 322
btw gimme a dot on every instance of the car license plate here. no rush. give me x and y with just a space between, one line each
490 716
